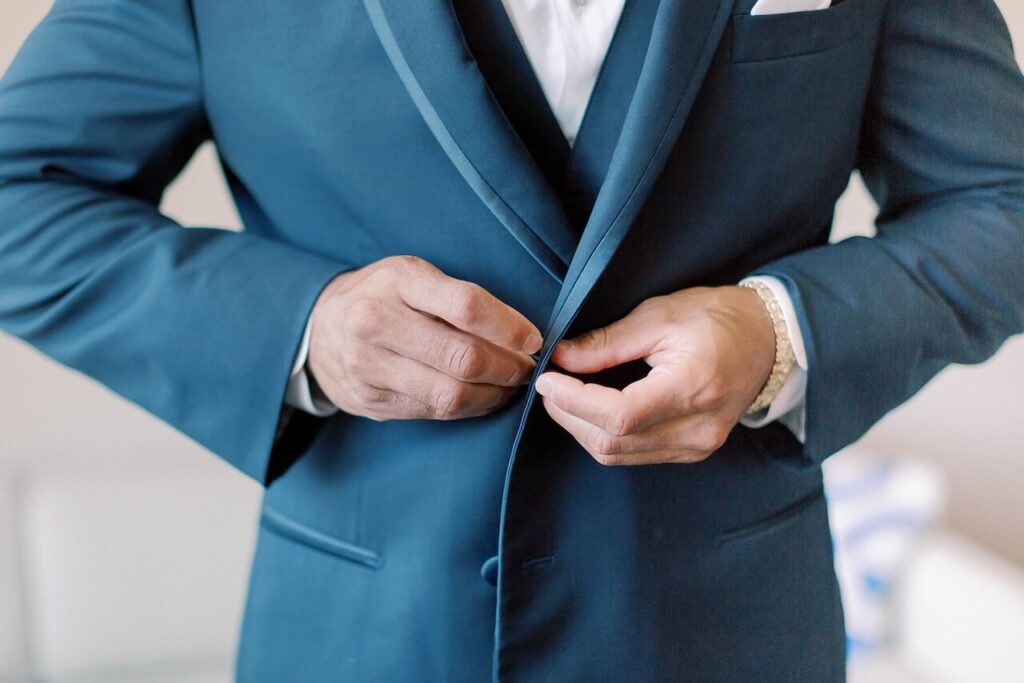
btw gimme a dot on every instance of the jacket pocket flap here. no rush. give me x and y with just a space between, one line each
275 522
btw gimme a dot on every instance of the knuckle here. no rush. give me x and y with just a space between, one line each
521 336
654 311
393 270
705 391
685 402
418 389
449 400
605 445
369 396
409 261
624 422
694 457
518 374
717 389
712 437
648 306
663 315
466 304
364 318
594 338
645 305
385 274
466 360
354 363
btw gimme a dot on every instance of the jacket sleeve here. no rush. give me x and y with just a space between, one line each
943 281
100 110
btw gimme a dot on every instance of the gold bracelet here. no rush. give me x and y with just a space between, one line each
784 358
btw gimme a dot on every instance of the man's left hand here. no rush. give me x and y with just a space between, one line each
710 349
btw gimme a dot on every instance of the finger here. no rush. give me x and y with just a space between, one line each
639 406
457 354
631 338
696 433
470 308
610 450
439 396
598 443
383 404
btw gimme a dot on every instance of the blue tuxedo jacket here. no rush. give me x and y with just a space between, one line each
350 131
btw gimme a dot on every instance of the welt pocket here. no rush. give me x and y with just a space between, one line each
787 514
765 37
282 525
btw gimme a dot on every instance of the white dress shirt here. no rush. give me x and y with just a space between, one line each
566 42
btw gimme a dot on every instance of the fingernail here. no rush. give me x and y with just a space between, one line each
533 343
543 385
566 344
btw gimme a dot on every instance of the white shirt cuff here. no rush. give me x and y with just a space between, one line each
789 406
300 393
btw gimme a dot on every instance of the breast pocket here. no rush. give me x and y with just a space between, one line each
768 37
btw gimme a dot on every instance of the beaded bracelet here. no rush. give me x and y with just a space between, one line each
784 358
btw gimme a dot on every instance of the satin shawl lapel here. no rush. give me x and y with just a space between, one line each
683 41
426 47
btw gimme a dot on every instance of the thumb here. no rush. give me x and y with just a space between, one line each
605 347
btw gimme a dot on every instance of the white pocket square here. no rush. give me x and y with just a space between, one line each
784 6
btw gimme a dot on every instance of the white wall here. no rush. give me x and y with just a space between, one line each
968 420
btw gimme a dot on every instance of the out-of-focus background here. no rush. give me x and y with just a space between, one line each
124 547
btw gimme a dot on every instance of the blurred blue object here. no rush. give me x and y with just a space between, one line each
880 508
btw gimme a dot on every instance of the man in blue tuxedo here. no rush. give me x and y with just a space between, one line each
534 334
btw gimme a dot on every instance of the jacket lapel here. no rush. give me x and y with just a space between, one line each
426 47
685 36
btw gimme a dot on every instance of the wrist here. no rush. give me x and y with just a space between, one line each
324 330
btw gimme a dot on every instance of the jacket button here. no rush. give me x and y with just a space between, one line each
489 570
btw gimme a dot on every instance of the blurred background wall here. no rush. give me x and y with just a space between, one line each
88 482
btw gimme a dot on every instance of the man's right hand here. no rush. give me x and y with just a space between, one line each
399 339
